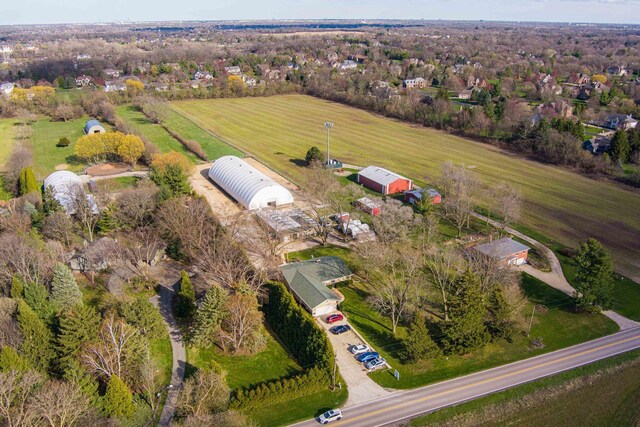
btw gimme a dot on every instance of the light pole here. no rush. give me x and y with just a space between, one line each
328 126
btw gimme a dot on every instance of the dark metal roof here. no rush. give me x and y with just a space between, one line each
501 248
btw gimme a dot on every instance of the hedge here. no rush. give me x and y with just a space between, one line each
304 340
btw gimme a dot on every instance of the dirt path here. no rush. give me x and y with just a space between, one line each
86 178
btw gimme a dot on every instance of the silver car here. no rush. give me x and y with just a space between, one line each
331 415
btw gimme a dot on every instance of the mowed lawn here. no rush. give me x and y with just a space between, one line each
49 158
188 130
567 206
8 130
152 132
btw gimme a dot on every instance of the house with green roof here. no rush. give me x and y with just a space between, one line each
309 282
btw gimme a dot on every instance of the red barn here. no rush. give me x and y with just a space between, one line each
367 205
415 196
383 181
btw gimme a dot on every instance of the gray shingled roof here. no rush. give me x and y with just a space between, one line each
307 278
501 248
380 175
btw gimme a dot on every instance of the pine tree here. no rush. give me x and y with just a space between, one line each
501 324
65 292
118 400
419 345
77 374
144 316
49 203
186 297
17 288
36 347
313 156
208 317
620 149
594 276
10 360
27 181
37 297
466 330
78 326
172 181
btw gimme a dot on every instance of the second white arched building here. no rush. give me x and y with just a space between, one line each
247 185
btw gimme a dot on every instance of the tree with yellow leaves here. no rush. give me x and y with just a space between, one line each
161 161
134 87
99 147
600 78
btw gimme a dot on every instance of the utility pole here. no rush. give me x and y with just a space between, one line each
531 322
328 126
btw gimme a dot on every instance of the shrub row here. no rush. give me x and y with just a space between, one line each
297 329
189 144
282 390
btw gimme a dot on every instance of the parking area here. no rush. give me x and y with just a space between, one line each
361 387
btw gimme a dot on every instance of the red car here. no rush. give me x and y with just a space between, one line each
334 318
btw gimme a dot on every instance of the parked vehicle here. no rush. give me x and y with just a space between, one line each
334 318
365 357
340 329
331 415
374 364
359 349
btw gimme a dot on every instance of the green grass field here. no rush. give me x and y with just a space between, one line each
244 371
152 132
564 399
188 130
47 157
567 206
8 131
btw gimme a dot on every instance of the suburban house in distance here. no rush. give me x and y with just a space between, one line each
383 181
308 281
414 196
506 250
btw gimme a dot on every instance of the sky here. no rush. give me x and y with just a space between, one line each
89 11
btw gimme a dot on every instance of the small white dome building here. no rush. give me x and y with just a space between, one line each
65 185
247 185
93 126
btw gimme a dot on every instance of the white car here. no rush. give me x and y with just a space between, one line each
358 349
331 415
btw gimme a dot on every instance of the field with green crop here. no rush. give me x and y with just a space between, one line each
8 131
567 206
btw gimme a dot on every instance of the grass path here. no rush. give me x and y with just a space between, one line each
568 206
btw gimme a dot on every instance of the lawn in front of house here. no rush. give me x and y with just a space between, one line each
188 130
244 371
47 157
152 132
558 327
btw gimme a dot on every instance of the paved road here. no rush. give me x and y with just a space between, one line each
163 302
409 404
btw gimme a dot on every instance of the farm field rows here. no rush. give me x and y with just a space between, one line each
567 206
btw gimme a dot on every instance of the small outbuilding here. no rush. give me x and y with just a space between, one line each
507 250
93 126
247 185
415 196
309 281
383 181
367 205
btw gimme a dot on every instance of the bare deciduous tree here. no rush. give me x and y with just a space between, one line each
443 266
17 390
240 330
393 223
203 394
108 355
135 207
84 209
491 272
457 185
28 257
321 186
138 248
61 404
509 203
58 226
10 334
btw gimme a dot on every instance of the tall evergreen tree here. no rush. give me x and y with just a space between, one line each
36 347
186 298
594 276
501 324
466 329
419 345
77 374
78 326
144 316
118 400
620 149
10 360
27 181
37 297
65 292
208 317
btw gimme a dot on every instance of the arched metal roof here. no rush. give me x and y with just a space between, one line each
247 185
90 124
64 184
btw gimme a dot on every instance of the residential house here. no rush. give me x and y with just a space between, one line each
82 81
599 144
202 75
579 79
234 70
347 65
332 57
617 70
309 281
6 88
620 122
506 250
114 86
418 82
249 81
112 73
465 94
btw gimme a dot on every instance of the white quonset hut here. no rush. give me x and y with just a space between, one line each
93 126
247 185
65 185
